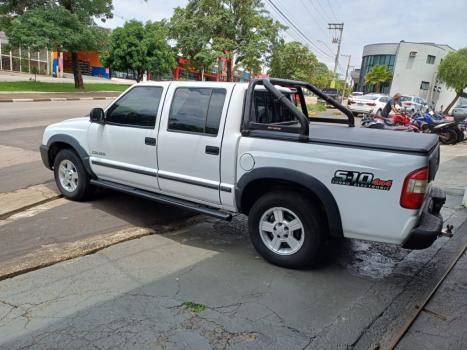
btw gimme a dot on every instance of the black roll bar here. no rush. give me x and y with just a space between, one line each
302 118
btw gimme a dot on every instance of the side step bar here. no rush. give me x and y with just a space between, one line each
163 199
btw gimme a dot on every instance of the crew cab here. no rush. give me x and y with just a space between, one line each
237 148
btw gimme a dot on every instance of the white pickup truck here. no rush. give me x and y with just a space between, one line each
224 148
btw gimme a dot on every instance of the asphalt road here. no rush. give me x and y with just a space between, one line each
137 294
21 128
59 221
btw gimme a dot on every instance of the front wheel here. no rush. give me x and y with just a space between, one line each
70 176
448 137
286 229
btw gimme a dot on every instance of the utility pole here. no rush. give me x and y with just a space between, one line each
336 40
346 75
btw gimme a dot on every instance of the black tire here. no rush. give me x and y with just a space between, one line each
83 187
311 219
460 135
448 137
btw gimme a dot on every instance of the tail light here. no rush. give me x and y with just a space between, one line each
371 104
408 103
413 192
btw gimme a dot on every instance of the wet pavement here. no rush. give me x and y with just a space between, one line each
204 286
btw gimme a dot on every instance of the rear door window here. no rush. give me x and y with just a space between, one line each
197 110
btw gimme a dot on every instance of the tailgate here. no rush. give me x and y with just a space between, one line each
433 162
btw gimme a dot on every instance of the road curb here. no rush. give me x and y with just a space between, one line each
54 253
55 99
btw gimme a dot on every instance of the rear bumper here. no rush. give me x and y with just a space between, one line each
45 156
430 224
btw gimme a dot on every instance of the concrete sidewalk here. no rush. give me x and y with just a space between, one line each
56 96
442 323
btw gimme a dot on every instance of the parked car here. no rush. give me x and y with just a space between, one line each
334 94
413 103
371 103
225 148
460 112
354 95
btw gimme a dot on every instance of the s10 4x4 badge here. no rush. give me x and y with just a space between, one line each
358 179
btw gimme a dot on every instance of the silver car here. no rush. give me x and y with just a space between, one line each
460 111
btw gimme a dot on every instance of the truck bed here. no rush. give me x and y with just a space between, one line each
384 140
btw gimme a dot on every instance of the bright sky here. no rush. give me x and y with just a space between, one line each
365 22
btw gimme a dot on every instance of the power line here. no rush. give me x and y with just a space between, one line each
296 28
305 6
322 8
320 13
332 11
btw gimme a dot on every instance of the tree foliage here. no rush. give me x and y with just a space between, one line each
293 61
453 72
67 25
207 29
378 75
140 47
322 76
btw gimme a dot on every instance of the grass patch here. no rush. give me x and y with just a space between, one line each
316 107
58 87
193 307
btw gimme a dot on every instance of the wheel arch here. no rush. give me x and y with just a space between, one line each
259 181
60 141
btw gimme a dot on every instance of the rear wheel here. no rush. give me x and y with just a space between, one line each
460 135
448 137
70 176
286 229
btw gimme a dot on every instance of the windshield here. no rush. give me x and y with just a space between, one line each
406 98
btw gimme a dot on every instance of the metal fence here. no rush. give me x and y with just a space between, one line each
23 59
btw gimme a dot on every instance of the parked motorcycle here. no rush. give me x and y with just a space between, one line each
372 121
448 132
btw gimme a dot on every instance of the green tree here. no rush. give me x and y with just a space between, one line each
65 25
140 47
378 75
293 61
233 29
322 76
453 72
193 34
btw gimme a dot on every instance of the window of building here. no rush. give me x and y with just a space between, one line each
430 59
137 108
367 64
425 85
197 110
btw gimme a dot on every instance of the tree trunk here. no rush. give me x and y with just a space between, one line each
446 111
202 74
76 70
378 87
229 70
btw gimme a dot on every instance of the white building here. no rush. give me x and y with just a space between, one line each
414 67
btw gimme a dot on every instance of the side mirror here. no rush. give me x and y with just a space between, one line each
97 115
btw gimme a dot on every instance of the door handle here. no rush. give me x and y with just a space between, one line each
150 141
212 150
